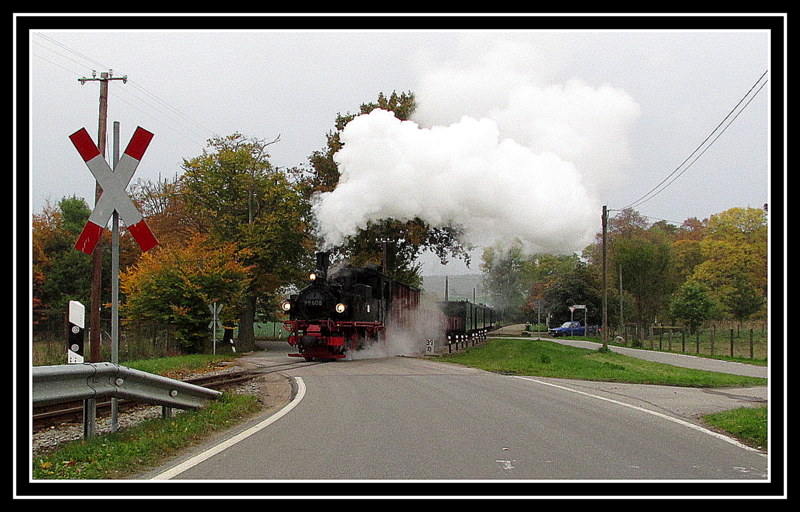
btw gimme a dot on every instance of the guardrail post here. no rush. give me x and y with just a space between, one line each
89 415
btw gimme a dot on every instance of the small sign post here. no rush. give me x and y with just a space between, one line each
215 311
76 314
584 308
228 336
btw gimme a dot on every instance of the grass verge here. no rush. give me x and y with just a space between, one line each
134 449
179 367
748 424
548 359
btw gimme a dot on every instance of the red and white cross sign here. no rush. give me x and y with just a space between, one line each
113 184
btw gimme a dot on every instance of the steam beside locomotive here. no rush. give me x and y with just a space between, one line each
354 308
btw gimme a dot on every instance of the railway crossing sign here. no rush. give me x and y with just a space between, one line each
216 309
113 182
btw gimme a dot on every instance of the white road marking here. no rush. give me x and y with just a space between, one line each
648 411
197 459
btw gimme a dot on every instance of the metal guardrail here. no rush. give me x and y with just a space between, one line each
88 381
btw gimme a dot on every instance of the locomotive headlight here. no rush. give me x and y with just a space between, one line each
340 308
312 276
286 306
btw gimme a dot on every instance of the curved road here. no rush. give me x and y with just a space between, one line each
414 419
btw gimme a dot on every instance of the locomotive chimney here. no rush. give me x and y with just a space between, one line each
323 258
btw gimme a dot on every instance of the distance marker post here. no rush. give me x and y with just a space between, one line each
75 328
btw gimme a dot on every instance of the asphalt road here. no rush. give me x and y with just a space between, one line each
404 419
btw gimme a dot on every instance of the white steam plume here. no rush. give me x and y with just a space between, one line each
529 163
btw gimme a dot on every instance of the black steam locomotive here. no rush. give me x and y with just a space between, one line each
346 310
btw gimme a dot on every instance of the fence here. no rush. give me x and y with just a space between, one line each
748 342
138 340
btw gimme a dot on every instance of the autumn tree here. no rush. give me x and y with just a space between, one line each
645 258
743 300
543 273
60 273
163 203
243 200
175 284
734 252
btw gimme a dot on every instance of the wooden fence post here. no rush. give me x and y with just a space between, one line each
713 336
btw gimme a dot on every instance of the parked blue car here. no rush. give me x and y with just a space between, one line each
573 328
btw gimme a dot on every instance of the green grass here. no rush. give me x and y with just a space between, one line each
748 424
134 449
178 366
129 451
549 359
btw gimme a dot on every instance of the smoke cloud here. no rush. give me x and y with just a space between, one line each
420 325
491 149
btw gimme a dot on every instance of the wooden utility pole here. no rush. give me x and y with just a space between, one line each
605 273
97 254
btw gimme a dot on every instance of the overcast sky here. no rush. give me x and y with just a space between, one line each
566 120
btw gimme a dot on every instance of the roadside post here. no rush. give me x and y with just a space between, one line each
76 314
429 346
585 325
227 337
112 204
215 309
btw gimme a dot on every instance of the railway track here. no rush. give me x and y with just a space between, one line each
46 416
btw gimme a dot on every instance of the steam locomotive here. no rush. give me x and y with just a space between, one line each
346 310
351 308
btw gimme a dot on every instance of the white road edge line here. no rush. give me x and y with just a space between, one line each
197 459
648 411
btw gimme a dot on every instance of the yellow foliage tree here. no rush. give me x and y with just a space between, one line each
175 284
734 251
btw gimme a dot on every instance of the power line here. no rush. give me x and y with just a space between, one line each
666 182
62 45
201 136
